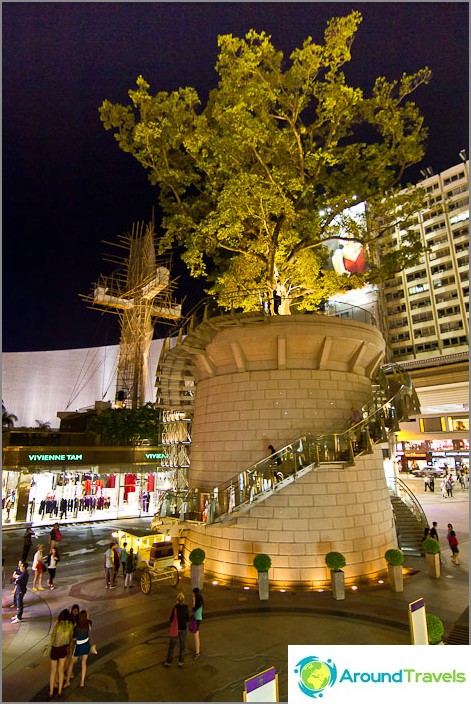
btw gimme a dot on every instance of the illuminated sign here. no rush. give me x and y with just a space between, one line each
55 458
154 456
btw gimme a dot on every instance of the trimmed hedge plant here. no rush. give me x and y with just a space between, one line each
335 561
262 562
435 629
394 557
431 546
197 556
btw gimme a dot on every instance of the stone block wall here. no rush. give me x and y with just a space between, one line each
329 509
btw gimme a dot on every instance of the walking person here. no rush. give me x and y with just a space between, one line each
434 532
27 543
82 647
55 536
38 569
73 618
449 486
197 614
178 629
20 590
130 568
123 558
453 543
116 564
51 563
443 488
426 482
109 564
61 641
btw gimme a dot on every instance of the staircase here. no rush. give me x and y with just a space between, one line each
409 530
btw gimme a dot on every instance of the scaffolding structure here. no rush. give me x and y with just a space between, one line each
139 291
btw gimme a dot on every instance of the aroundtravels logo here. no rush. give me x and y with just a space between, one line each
315 675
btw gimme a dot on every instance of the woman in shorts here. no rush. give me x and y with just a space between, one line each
82 646
61 638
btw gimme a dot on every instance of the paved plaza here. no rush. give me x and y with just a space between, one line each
240 635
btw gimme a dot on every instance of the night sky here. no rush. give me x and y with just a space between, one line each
66 184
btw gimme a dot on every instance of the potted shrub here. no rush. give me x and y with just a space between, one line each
435 629
335 561
262 564
197 557
395 560
432 554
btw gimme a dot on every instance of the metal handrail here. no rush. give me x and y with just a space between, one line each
402 491
383 414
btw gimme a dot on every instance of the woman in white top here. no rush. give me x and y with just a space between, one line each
38 568
51 564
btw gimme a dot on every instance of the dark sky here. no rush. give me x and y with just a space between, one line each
66 184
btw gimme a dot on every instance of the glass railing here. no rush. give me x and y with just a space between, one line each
393 399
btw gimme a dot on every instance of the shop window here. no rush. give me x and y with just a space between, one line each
458 424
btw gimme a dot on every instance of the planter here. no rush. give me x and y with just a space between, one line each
197 576
263 586
433 564
338 584
395 576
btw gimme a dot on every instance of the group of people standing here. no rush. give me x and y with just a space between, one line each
451 537
69 641
180 622
113 559
41 563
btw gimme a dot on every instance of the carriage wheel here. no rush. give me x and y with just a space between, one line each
146 582
174 576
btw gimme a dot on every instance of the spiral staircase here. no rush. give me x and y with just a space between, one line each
393 400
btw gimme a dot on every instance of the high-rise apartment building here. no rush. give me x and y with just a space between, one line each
424 309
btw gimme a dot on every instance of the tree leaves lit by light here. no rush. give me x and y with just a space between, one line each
257 181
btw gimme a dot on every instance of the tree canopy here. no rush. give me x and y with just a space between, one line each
257 181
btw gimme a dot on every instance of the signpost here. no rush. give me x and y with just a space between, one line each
418 623
262 687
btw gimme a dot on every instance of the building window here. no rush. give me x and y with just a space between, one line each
457 424
455 341
420 288
455 177
413 276
427 347
445 252
432 425
422 317
446 281
420 303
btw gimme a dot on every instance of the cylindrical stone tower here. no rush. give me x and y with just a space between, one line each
271 380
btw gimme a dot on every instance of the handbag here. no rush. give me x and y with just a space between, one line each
93 649
193 626
173 630
47 650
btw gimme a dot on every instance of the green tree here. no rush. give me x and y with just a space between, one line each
8 419
254 184
43 425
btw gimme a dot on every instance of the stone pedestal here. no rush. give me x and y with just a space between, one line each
263 586
396 579
338 584
433 562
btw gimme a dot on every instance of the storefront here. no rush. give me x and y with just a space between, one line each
450 453
48 484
